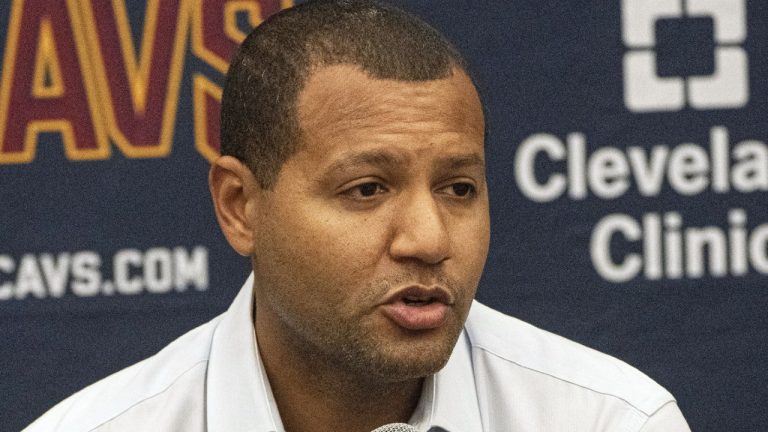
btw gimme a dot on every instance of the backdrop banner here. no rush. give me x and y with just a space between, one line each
627 165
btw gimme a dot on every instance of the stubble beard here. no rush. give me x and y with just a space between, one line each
385 361
360 351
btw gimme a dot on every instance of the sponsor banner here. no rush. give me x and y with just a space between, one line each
627 167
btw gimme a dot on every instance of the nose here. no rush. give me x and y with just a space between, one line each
420 232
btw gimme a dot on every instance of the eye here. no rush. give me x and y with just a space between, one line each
365 190
463 189
460 190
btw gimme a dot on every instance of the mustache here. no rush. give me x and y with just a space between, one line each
422 277
381 287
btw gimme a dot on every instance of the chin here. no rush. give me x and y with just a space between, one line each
411 360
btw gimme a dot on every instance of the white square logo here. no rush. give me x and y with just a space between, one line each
646 91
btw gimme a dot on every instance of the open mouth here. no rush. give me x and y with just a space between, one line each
418 307
418 301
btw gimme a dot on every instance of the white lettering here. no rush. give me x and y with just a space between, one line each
673 245
652 246
525 173
158 271
649 175
577 157
672 252
688 166
738 242
7 265
86 275
758 249
56 272
750 173
713 239
121 268
600 250
608 172
191 269
718 140
28 279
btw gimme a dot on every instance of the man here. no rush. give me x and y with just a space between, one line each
353 177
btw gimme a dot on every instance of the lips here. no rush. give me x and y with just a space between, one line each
418 307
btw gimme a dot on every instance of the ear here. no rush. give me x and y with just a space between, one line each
235 193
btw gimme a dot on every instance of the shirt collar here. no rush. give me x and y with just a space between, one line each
454 403
239 396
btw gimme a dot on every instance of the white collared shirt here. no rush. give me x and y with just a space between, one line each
503 375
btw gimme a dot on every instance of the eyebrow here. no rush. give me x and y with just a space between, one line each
459 162
379 158
389 160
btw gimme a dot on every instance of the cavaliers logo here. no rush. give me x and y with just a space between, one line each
80 69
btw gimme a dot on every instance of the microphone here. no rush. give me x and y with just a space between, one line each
396 427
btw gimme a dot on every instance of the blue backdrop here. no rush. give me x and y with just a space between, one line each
627 164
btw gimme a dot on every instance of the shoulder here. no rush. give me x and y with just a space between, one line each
172 379
511 348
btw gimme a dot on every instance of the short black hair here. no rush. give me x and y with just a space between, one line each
259 120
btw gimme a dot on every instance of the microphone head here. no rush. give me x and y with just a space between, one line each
396 427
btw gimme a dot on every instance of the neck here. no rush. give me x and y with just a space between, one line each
314 392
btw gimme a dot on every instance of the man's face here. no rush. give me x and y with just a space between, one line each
370 247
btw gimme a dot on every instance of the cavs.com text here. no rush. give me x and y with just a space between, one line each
158 270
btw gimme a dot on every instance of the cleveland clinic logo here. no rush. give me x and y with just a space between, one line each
726 83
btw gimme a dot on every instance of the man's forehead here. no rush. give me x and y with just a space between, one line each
344 83
347 97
